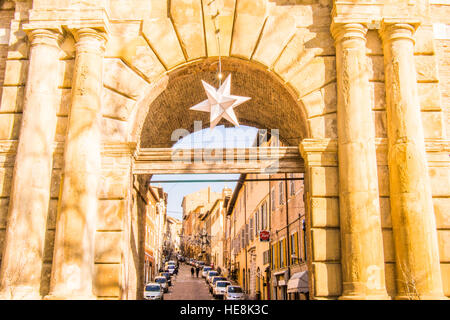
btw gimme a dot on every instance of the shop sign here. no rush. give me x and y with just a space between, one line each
264 235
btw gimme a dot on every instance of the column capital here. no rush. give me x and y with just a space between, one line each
90 39
393 29
43 36
348 29
319 152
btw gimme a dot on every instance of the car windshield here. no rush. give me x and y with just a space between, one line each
213 273
222 284
152 288
207 268
166 274
160 280
171 266
218 279
235 289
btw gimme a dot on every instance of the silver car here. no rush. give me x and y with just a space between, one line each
205 271
163 282
153 291
220 288
210 274
234 293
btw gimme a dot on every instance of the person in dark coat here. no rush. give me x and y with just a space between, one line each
192 271
219 270
196 271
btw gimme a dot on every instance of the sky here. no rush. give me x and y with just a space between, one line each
219 137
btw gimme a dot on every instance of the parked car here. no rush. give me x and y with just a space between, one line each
167 275
234 293
213 281
210 274
220 288
163 282
205 271
171 269
153 291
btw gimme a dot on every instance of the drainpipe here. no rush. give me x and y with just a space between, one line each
288 260
245 226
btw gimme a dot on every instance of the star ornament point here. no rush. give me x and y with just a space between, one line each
220 103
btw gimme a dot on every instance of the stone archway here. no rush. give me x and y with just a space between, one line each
82 122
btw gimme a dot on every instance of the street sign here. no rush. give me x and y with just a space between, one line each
264 235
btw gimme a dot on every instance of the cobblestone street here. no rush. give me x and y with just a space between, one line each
186 287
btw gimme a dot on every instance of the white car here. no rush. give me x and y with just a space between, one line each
205 271
220 288
153 291
210 274
171 268
213 281
234 293
163 282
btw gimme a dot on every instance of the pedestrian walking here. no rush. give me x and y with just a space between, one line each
219 270
196 271
192 271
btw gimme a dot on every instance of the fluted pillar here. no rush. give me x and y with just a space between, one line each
73 261
360 223
413 222
20 275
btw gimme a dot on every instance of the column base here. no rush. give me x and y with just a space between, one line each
364 297
20 293
421 297
70 297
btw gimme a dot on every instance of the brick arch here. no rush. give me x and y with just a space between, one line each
166 107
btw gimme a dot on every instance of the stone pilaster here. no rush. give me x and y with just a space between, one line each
20 276
73 263
414 227
360 223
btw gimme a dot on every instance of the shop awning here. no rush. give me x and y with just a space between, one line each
298 282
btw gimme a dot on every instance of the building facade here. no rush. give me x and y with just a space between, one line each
247 216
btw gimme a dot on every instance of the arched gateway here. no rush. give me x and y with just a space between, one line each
88 85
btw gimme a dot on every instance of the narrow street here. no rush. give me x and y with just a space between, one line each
186 287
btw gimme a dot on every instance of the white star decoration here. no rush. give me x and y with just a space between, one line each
220 103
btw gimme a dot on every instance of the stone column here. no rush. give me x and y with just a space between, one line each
360 223
20 276
73 262
413 222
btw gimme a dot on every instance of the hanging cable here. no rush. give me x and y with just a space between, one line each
217 32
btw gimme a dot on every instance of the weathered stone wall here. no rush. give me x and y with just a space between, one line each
11 97
440 19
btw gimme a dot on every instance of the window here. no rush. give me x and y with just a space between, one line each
265 216
246 234
251 229
274 257
292 184
294 249
257 222
281 192
280 254
266 257
273 199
